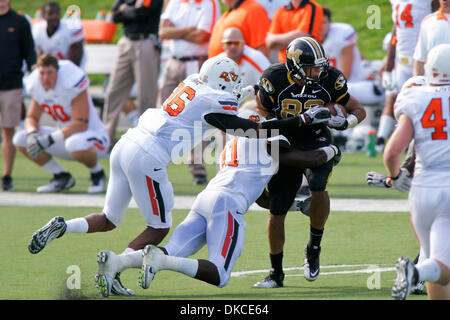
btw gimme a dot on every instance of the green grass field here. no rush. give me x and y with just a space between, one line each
353 241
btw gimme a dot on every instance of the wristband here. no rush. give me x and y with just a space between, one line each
352 121
57 136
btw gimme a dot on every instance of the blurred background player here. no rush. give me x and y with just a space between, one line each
299 18
61 38
420 111
59 88
407 16
16 46
187 26
433 31
138 59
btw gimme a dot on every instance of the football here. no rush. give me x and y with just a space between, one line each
331 107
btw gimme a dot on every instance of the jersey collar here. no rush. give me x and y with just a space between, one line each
441 14
237 5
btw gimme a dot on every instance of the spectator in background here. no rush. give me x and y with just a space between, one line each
138 59
299 18
251 62
16 46
58 37
247 15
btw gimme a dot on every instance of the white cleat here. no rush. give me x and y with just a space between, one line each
119 289
55 228
60 182
150 266
107 271
404 282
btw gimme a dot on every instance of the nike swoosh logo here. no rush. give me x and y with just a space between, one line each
315 91
314 274
157 169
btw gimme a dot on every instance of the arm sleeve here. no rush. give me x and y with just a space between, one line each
241 126
29 51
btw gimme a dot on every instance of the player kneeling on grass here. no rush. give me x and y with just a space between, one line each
59 88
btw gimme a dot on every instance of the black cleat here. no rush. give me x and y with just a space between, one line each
271 281
311 268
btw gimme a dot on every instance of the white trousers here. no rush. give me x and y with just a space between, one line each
430 216
216 219
135 173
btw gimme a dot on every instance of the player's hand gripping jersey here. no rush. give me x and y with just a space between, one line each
57 102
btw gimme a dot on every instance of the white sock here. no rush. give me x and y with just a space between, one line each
131 259
429 270
53 167
386 126
133 117
96 168
77 225
183 265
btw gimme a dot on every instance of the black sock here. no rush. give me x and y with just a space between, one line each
277 262
315 237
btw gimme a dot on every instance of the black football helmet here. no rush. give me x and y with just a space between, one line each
306 52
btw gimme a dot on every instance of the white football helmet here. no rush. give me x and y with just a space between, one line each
437 67
359 138
221 73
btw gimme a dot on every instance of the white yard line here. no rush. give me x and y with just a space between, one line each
369 268
183 202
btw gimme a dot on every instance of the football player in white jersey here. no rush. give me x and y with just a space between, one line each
407 16
216 218
59 88
423 113
433 31
200 104
64 39
340 44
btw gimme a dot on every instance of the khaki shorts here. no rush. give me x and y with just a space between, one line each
10 107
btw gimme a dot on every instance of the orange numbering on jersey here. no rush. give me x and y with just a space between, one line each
405 15
432 118
229 155
177 100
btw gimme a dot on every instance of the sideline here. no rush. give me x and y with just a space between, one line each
184 202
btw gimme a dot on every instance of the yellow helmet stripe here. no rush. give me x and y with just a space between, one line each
316 47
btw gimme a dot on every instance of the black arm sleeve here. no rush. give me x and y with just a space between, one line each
28 46
241 126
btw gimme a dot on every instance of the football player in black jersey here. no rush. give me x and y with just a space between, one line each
288 90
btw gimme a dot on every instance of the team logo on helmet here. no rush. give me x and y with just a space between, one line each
267 85
340 82
294 53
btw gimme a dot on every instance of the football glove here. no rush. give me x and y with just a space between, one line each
37 143
245 93
387 80
315 115
402 182
339 121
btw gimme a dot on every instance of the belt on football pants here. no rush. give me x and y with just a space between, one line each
185 59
